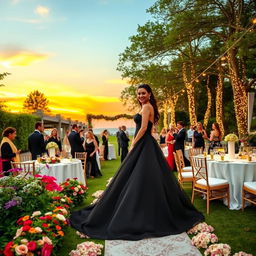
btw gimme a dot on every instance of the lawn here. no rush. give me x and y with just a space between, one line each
236 228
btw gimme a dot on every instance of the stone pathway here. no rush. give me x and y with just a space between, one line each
175 245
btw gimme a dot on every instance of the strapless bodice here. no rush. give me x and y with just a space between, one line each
137 119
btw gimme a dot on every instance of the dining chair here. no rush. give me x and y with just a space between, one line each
82 156
212 188
26 168
249 193
183 177
24 157
195 151
182 162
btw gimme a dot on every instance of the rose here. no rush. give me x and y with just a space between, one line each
31 246
74 194
21 249
48 213
7 249
76 189
18 232
60 217
47 249
36 213
47 240
38 230
27 223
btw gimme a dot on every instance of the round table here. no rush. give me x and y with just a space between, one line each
111 152
236 172
61 171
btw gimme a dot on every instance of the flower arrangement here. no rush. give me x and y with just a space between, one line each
49 160
201 227
98 194
218 249
49 182
87 249
242 254
231 137
52 145
74 189
202 239
108 181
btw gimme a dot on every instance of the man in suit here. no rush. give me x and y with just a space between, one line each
180 138
118 139
75 141
124 143
36 142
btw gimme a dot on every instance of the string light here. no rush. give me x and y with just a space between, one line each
209 103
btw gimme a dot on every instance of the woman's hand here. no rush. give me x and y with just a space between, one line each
91 155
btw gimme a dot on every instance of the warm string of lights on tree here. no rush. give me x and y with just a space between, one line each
209 103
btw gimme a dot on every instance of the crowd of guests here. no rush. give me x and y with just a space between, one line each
175 137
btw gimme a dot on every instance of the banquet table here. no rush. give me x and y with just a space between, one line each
236 172
111 152
61 171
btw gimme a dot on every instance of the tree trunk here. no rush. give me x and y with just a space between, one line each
240 94
219 100
209 104
172 104
165 121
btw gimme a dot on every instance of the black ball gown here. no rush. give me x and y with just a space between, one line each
144 199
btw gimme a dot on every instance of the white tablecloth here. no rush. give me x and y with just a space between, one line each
186 152
64 170
236 173
111 152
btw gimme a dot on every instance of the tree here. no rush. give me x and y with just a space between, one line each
2 76
36 100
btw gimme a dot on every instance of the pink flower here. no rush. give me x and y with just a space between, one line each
21 249
74 194
47 249
31 246
18 232
47 240
7 249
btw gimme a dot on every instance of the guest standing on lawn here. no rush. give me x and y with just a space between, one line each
75 141
8 150
36 143
124 142
199 136
55 138
118 139
105 144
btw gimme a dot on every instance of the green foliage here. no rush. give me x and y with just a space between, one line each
23 123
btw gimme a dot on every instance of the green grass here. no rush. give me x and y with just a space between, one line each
236 228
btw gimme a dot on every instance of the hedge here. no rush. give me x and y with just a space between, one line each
24 124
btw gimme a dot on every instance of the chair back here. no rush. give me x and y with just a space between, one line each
199 167
82 156
180 158
195 151
24 157
177 162
25 168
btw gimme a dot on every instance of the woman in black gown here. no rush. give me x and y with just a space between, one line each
144 199
91 148
199 136
105 144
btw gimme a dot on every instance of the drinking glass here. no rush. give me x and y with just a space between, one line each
211 154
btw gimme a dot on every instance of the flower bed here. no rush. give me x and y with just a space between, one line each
35 232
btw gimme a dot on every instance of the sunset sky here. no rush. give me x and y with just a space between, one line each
68 50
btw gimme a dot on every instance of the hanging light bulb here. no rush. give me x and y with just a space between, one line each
254 21
204 74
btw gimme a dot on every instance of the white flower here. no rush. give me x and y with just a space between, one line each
231 137
202 239
98 193
36 213
47 240
18 233
218 249
60 217
48 213
38 230
201 227
76 189
62 200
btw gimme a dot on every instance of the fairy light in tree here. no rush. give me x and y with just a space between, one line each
209 103
172 103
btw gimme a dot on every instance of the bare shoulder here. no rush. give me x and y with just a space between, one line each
147 107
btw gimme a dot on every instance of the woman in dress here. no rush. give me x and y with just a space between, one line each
144 198
105 144
163 138
215 136
8 151
170 141
55 138
91 148
199 136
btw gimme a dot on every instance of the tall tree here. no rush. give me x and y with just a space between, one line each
2 76
36 101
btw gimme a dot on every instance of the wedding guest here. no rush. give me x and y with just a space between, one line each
215 136
66 144
8 150
124 142
190 133
199 136
75 141
155 134
36 142
118 139
105 144
91 149
81 134
55 138
163 138
95 136
170 143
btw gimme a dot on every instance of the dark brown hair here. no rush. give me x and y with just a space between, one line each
218 129
7 131
38 124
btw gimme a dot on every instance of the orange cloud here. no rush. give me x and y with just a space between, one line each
21 58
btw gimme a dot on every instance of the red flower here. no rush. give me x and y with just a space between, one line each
66 206
72 188
75 178
31 246
58 227
27 223
48 217
43 218
55 222
47 249
7 249
56 198
66 184
26 228
45 225
19 221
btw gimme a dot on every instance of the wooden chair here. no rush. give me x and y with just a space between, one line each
195 151
26 168
249 193
183 177
212 188
24 157
82 156
182 163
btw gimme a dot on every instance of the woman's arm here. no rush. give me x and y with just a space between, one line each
95 147
144 124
